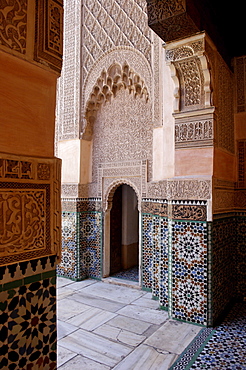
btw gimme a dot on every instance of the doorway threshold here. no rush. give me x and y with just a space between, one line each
122 282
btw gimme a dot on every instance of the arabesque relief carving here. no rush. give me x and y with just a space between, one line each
170 19
180 189
128 25
13 25
30 208
190 73
134 172
193 109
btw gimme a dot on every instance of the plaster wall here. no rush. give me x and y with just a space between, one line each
225 165
194 162
163 136
30 62
27 100
76 160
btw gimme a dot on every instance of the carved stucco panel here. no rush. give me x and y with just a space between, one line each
122 132
30 208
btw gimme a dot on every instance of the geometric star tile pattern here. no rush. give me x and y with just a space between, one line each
28 326
221 348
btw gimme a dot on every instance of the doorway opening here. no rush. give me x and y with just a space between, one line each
124 234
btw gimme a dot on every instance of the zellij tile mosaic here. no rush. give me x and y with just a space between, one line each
28 330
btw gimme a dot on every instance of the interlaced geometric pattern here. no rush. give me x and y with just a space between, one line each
112 23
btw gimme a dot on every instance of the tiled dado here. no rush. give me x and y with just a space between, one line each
28 315
155 249
188 270
174 256
81 239
188 273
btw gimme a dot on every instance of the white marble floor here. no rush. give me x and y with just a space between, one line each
104 326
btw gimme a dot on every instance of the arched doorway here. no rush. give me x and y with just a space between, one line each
124 234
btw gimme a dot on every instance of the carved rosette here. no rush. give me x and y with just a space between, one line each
30 208
193 110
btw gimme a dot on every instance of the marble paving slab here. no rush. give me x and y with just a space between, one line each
145 314
127 323
173 336
77 285
83 317
97 320
68 308
146 358
95 347
113 292
64 291
64 328
98 302
147 302
120 335
61 281
64 355
83 363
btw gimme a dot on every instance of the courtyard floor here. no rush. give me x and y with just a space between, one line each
104 326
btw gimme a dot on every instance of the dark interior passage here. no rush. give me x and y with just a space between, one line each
124 235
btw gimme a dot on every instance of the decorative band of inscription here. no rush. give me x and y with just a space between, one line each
189 212
181 210
194 133
155 207
24 170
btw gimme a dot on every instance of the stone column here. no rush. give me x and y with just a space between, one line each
30 63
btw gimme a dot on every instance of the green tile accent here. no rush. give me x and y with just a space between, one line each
13 284
32 279
28 280
48 274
